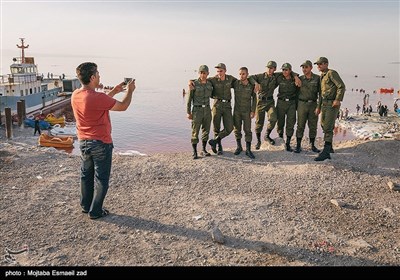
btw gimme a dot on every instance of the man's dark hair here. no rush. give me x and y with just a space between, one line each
85 71
244 69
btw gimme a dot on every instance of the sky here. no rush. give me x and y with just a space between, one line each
158 42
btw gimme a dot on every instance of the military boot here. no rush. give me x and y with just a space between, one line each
288 148
258 145
205 153
331 150
213 144
325 153
268 138
220 151
313 148
239 148
195 151
298 146
248 150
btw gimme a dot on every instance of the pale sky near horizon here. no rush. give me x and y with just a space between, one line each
160 38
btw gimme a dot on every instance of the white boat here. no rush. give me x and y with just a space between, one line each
66 131
25 83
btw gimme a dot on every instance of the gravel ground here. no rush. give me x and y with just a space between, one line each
170 210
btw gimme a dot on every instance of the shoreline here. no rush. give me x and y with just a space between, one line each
362 127
281 209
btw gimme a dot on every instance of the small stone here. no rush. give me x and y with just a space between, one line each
197 217
338 203
217 236
359 243
393 186
39 177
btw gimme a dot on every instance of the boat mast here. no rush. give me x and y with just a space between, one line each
22 47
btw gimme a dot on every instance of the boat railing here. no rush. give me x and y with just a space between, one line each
19 79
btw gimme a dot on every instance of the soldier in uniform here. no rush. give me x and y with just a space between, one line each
267 83
286 104
243 112
307 106
198 109
222 108
332 93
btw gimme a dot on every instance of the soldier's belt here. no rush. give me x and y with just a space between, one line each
200 106
266 98
286 99
224 100
310 100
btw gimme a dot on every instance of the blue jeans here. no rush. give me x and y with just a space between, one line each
96 159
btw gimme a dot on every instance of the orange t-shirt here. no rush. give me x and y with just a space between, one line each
91 111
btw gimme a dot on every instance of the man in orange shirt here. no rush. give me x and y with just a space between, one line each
91 112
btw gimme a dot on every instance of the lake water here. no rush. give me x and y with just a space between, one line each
156 120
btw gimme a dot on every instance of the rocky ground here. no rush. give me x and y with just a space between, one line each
281 209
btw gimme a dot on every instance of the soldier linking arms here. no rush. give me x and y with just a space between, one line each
200 112
243 112
287 103
266 83
332 93
307 106
222 108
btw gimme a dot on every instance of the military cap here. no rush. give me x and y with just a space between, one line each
306 63
286 66
221 65
321 60
271 64
203 68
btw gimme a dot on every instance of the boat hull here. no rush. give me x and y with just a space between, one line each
53 120
46 140
66 131
34 101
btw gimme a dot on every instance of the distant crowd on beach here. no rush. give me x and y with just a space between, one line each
381 109
361 90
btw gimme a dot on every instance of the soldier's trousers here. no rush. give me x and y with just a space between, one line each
306 114
238 119
201 119
222 111
262 108
328 118
286 110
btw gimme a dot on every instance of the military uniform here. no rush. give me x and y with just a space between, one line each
245 103
222 107
198 104
308 99
266 103
332 88
286 105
